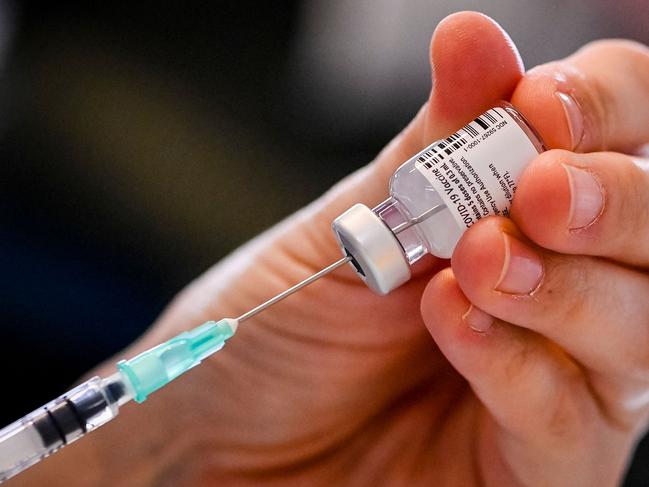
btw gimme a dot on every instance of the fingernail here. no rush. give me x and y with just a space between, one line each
522 269
586 198
477 319
574 118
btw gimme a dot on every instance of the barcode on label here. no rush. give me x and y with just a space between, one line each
449 145
487 119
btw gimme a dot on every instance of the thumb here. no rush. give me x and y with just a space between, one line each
474 65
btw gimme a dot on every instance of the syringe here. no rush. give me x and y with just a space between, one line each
97 401
381 243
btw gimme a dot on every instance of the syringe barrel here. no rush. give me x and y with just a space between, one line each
58 423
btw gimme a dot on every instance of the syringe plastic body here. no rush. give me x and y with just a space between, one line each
60 422
97 401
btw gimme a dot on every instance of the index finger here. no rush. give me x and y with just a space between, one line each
596 99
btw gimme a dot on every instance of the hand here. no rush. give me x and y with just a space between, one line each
558 294
337 386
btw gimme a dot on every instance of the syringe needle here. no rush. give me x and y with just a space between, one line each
97 401
418 219
399 228
293 289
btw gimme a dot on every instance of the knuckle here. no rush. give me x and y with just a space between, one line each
562 411
622 401
615 47
601 103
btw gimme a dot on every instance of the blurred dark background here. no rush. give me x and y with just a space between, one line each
140 142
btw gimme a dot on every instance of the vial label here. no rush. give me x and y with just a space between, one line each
476 169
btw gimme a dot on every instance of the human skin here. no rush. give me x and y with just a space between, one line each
469 374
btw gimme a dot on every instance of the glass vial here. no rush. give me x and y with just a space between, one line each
437 194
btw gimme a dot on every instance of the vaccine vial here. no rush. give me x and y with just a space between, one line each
436 195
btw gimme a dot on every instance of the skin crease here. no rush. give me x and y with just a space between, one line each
337 386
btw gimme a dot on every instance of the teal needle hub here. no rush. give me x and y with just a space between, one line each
159 365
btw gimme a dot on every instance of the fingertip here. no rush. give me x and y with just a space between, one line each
442 300
465 49
542 202
477 261
544 98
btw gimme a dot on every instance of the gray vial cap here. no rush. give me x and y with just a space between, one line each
378 256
